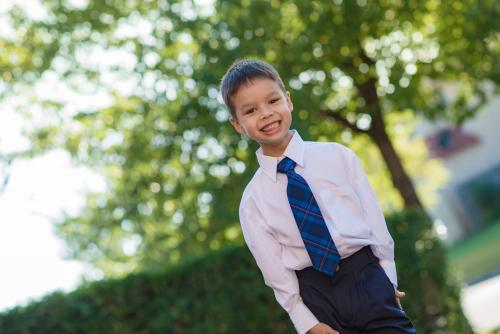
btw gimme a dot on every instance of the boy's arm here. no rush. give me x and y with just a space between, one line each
267 253
384 247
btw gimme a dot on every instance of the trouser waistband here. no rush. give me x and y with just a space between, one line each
355 262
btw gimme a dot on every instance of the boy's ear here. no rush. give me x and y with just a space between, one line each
289 100
236 125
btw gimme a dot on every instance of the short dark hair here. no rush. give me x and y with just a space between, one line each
242 72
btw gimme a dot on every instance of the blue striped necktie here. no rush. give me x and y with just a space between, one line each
317 240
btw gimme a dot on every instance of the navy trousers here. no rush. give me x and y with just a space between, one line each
358 298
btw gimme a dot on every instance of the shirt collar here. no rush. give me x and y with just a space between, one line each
294 150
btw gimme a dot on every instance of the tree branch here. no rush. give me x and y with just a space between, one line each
341 119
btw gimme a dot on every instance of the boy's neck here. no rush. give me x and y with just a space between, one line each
277 151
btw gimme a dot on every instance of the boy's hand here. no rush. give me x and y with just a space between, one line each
322 328
399 294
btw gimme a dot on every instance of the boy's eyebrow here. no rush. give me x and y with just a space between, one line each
266 97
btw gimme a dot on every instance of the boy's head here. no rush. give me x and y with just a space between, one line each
242 73
259 104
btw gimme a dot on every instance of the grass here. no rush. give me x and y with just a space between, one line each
478 256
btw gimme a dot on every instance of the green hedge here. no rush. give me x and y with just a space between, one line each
432 294
223 292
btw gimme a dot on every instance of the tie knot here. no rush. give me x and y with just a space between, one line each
286 165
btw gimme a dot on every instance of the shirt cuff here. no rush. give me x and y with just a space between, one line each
389 267
302 318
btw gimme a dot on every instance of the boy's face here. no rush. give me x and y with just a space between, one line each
264 113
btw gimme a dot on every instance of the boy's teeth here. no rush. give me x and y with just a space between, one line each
270 126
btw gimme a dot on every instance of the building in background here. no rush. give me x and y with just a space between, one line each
471 154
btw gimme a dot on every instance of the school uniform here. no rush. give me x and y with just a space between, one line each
360 296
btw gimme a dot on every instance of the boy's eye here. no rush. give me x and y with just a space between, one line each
275 100
249 111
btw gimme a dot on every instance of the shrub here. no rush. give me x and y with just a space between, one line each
223 292
432 294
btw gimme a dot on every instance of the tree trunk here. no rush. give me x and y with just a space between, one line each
377 132
400 178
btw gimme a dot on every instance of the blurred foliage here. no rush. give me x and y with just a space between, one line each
428 174
486 196
433 295
223 292
153 124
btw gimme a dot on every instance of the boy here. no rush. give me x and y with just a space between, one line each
310 217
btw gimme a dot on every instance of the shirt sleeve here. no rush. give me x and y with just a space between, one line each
383 248
267 253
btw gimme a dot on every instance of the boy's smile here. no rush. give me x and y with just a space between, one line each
264 113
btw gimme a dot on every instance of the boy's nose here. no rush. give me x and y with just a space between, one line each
267 112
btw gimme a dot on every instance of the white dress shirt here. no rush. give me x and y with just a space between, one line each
346 200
